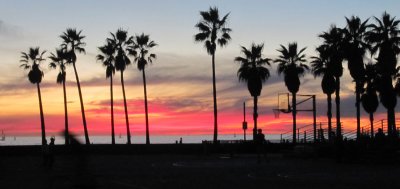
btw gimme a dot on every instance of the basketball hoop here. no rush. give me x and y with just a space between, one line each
276 112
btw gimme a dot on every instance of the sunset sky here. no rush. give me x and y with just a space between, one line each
179 81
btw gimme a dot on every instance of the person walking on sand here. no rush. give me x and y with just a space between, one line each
260 141
51 152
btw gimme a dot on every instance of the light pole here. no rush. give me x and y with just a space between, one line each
244 125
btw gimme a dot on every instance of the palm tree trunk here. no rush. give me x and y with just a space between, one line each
145 108
371 120
128 132
358 100
66 137
215 139
112 111
329 114
82 107
255 114
337 101
294 116
41 115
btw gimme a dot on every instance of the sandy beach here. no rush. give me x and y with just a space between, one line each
217 170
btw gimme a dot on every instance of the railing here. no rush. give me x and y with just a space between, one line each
305 133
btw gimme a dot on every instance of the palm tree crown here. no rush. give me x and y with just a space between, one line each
72 41
291 64
107 58
143 44
321 66
384 37
30 61
59 60
121 42
213 28
252 68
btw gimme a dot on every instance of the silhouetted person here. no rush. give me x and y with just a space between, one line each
180 140
82 177
51 152
260 141
45 153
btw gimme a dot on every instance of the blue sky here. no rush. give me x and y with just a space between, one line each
182 64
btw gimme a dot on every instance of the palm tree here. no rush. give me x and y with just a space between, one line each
321 66
355 49
253 72
370 99
59 59
333 43
291 64
143 44
385 39
72 43
213 30
107 58
30 61
121 42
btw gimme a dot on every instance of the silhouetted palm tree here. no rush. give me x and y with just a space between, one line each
253 72
355 48
321 66
213 31
72 42
107 58
30 61
143 44
385 39
121 42
291 64
370 99
333 43
59 59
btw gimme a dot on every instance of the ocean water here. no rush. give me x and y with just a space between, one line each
36 140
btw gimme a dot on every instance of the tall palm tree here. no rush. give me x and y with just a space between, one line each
291 64
30 61
253 72
385 39
333 43
213 31
355 48
321 66
370 99
107 58
143 44
59 60
121 42
72 43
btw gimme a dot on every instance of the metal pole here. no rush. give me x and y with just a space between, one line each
305 137
315 118
281 138
298 135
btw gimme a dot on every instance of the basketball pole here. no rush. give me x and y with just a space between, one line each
244 120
